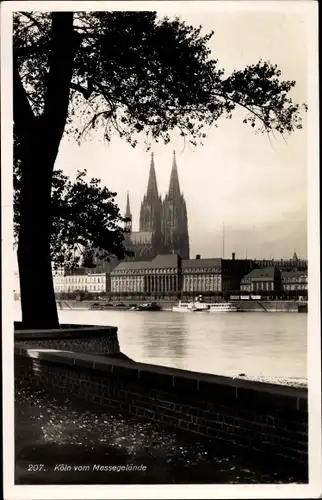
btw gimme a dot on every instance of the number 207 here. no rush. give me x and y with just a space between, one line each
35 467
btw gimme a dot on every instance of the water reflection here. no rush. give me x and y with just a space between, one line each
164 339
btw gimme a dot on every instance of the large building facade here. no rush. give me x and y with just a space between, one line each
163 227
171 275
160 276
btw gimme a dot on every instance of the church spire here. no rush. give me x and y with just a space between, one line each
174 187
128 210
152 191
128 215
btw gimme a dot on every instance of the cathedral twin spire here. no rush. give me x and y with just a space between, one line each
167 220
174 186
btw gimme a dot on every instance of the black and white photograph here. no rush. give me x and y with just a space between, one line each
160 249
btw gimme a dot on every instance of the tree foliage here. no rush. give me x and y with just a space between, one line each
134 73
86 222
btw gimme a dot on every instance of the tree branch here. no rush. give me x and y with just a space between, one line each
245 106
86 92
34 21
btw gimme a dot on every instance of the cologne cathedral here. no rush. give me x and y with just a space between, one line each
163 224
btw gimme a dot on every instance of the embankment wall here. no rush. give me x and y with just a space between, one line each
262 417
267 306
99 340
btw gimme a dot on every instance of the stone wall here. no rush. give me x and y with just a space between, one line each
100 340
264 417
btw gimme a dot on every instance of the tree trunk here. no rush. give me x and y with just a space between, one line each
36 282
39 139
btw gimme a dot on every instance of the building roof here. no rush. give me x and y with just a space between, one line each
141 237
293 274
131 265
263 273
165 260
186 263
160 261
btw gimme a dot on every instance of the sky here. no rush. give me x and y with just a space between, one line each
252 185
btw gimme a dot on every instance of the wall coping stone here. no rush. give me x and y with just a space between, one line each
285 395
67 331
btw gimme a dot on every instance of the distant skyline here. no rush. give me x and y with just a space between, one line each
254 185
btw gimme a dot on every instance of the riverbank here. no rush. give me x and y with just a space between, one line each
290 381
242 306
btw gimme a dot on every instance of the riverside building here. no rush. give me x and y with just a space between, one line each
294 281
80 280
171 275
161 276
267 279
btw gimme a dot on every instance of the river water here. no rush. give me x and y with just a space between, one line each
270 345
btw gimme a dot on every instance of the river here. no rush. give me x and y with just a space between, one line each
272 345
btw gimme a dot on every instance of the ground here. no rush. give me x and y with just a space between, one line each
54 435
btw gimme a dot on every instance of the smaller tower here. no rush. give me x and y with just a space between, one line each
128 215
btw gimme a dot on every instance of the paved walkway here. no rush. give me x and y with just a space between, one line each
59 441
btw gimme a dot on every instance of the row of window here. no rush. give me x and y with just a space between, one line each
92 288
295 287
302 279
132 279
143 271
165 271
214 277
127 279
202 270
133 287
257 286
80 279
202 287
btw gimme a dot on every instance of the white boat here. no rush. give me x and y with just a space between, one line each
222 307
204 307
191 307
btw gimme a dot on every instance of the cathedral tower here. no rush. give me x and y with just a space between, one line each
174 217
151 208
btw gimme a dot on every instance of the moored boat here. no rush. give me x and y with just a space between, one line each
190 307
222 307
199 306
150 306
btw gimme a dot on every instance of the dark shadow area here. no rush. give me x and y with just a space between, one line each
74 442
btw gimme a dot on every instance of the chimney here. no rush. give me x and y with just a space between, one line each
198 256
233 255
